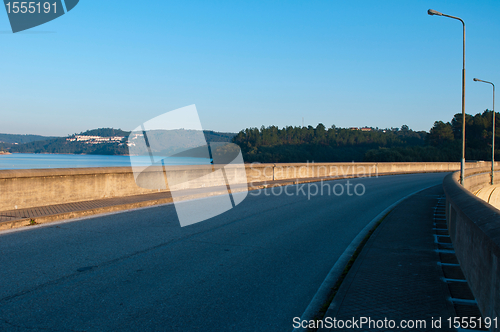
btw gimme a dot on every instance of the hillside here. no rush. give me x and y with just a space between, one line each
20 139
321 144
102 141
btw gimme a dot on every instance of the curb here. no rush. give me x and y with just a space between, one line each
78 214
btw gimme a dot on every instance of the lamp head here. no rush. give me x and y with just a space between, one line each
476 80
433 12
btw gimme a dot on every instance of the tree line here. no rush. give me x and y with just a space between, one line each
321 144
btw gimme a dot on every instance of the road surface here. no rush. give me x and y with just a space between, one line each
254 268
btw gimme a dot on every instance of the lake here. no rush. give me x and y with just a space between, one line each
34 160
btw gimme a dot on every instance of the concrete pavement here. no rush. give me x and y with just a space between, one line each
253 268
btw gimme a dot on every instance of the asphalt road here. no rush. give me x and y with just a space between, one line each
254 268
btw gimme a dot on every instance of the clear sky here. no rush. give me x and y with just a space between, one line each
119 63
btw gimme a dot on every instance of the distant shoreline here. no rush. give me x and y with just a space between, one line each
4 153
71 154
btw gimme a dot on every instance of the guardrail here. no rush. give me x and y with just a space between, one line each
21 189
474 227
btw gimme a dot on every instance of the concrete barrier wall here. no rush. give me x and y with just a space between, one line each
474 227
266 172
484 190
32 188
490 194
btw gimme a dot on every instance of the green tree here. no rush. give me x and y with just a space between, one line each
440 133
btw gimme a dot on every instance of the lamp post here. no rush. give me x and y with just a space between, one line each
462 162
493 140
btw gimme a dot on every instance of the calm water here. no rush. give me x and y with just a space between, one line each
32 160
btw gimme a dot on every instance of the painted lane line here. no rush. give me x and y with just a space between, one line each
448 264
453 280
444 251
463 301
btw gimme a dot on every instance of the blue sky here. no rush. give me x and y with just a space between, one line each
119 63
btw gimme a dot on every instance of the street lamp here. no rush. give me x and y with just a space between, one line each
493 141
462 163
